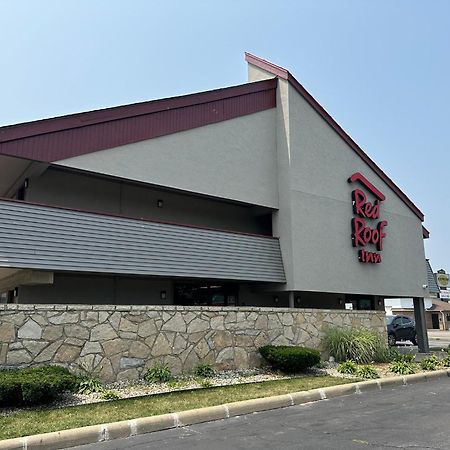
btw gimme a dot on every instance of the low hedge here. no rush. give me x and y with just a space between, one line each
36 385
290 359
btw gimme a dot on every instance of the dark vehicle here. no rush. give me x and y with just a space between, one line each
400 328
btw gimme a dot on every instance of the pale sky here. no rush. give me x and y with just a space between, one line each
380 68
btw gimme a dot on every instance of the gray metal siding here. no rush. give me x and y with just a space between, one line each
41 237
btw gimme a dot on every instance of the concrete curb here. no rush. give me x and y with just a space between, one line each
105 432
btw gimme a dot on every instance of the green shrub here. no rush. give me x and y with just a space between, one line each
402 367
385 354
32 386
405 357
367 372
430 363
446 361
290 359
159 373
204 371
349 367
110 395
359 344
205 383
88 384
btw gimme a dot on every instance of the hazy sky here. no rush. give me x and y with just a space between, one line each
380 68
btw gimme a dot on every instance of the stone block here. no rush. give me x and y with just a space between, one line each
67 353
52 332
7 333
128 363
18 357
34 347
48 352
65 317
103 332
91 347
115 346
138 350
147 328
198 325
128 375
105 371
225 355
30 330
176 323
162 346
3 353
222 339
75 341
77 331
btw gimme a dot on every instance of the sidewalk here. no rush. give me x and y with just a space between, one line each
439 338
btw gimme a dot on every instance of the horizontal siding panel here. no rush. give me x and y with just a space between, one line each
41 237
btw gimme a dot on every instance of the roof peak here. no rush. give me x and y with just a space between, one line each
281 72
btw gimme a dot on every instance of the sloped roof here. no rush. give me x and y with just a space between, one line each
284 74
51 140
439 305
433 288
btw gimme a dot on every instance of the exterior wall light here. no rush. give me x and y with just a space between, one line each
275 299
340 301
297 300
159 203
163 295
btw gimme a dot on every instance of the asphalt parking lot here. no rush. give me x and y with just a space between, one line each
414 417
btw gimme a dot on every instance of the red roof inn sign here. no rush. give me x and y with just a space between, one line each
366 212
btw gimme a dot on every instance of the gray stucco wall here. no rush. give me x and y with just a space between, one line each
321 203
313 221
98 289
234 159
80 191
91 289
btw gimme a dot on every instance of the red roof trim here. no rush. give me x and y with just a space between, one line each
286 75
71 121
65 137
364 181
140 219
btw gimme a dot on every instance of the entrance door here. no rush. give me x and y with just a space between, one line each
435 321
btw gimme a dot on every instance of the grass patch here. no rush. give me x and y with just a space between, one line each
25 423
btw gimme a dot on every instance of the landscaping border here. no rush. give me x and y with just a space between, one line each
116 430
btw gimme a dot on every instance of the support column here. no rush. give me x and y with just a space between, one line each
291 299
421 325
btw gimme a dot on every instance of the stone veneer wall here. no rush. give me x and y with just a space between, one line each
120 342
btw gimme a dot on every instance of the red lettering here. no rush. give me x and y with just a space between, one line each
363 235
382 235
376 210
364 208
359 200
369 257
358 226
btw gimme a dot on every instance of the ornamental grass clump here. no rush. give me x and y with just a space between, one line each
290 359
358 344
